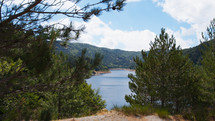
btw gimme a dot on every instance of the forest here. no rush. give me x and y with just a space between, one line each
112 58
115 58
41 80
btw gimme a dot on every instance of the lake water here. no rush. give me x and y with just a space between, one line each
113 87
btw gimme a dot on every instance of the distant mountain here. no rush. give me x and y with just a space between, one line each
195 53
113 58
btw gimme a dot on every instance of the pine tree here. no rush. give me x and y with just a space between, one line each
208 60
208 65
164 77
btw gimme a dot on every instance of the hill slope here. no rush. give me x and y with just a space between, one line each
113 58
195 53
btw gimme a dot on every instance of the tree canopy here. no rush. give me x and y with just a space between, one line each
164 76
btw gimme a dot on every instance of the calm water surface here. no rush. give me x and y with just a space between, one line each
113 87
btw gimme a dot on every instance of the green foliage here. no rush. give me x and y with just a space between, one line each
209 59
33 77
196 53
162 113
21 107
112 58
135 109
59 92
119 58
79 101
45 115
35 82
38 58
168 79
164 78
189 116
142 110
9 67
205 107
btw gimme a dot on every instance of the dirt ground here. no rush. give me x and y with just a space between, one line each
112 115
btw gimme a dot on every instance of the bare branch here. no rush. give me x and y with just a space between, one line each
2 2
20 14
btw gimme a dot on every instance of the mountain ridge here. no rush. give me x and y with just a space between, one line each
113 58
116 58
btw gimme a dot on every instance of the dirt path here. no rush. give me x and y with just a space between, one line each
118 116
108 116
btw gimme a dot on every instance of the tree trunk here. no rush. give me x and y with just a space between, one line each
59 105
162 103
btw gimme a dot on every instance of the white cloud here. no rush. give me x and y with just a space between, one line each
133 0
197 13
58 23
64 4
179 37
100 34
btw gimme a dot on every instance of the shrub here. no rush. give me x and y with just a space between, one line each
162 113
135 109
142 110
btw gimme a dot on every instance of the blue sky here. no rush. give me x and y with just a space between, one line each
141 20
140 15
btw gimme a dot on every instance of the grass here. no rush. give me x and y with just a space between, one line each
142 110
162 113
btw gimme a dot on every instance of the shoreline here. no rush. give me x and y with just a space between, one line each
127 69
95 73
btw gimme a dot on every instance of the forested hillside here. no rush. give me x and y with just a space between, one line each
113 58
195 53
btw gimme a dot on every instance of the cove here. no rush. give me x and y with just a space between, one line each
112 87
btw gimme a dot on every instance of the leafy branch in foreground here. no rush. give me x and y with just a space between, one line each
33 77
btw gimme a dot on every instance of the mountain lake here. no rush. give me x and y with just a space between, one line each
112 87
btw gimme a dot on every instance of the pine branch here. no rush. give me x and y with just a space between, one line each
21 13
